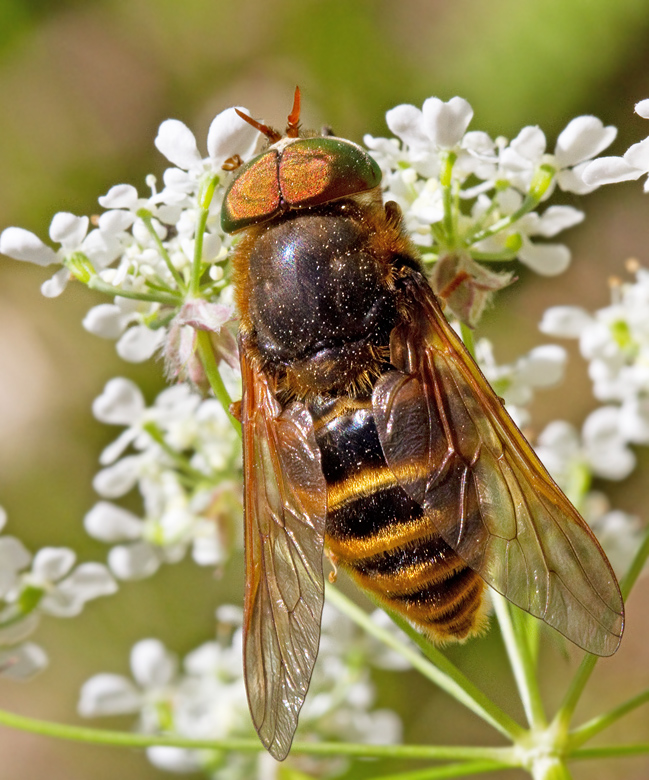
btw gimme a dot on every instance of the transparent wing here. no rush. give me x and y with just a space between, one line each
456 451
285 507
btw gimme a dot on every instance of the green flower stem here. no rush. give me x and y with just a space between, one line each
571 699
540 183
147 218
96 736
521 662
446 180
167 299
434 666
567 709
610 751
206 354
463 769
204 199
588 730
637 565
466 334
552 768
494 257
179 460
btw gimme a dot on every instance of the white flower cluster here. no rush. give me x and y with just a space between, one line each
185 459
47 583
498 181
142 250
206 699
615 342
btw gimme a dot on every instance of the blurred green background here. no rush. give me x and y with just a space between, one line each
83 88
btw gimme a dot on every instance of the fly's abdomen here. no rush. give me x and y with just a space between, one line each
380 535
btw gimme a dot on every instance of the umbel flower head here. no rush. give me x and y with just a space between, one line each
473 206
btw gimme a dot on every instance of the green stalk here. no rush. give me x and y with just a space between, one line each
571 699
463 769
206 354
588 730
96 736
204 199
435 666
166 299
147 218
610 751
178 458
466 334
446 180
520 660
637 565
539 186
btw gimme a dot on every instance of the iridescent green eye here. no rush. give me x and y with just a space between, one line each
307 172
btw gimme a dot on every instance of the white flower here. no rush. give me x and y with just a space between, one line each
65 591
23 661
633 165
446 123
14 557
228 135
615 341
154 669
71 232
582 139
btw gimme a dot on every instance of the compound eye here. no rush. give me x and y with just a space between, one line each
318 170
253 195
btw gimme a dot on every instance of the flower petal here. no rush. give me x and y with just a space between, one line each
152 664
545 259
87 582
229 135
111 523
106 320
68 230
445 123
407 122
22 662
53 287
108 694
530 143
52 563
139 343
134 561
609 170
642 109
557 218
24 245
565 321
178 144
121 403
121 196
543 366
582 139
202 315
118 479
174 759
638 155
